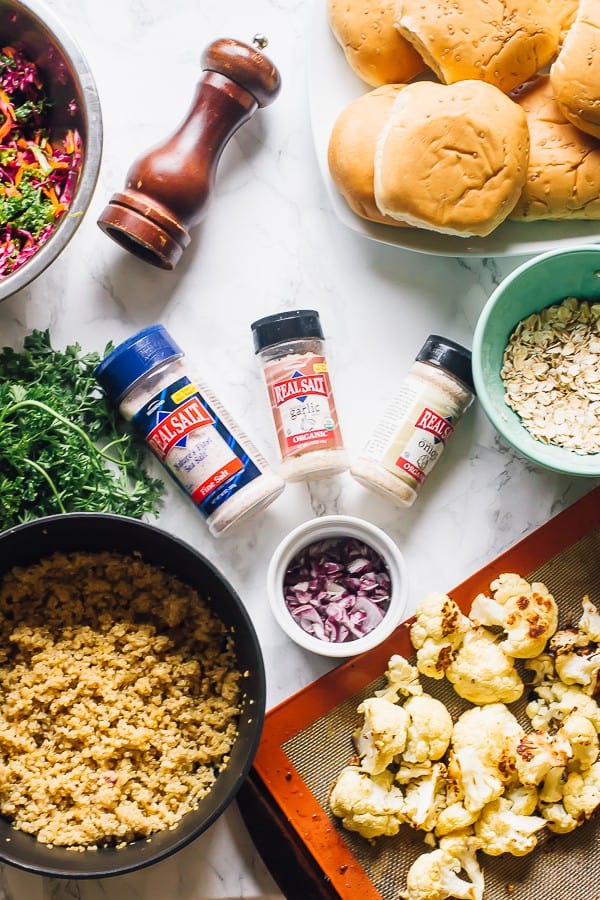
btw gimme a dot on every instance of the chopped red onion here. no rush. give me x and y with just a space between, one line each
337 589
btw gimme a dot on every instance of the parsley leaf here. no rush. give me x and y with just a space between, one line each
63 446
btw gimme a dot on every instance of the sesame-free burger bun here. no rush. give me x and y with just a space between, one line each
575 74
351 150
503 42
372 45
563 177
451 158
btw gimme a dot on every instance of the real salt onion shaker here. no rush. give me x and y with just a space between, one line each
187 428
419 421
291 348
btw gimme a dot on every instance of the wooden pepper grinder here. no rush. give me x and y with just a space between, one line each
169 188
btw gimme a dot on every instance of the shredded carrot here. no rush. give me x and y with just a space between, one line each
38 172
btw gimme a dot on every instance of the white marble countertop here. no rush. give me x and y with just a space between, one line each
270 241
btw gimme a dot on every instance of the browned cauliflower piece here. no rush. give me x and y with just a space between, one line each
437 633
575 650
382 735
537 753
527 614
402 680
553 701
482 672
501 830
368 804
483 751
582 737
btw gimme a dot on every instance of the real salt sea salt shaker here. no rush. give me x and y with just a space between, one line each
291 348
187 428
415 428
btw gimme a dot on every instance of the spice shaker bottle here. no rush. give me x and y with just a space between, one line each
419 421
291 348
187 428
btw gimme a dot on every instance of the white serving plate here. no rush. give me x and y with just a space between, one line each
332 85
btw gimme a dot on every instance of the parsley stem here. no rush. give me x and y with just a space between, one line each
46 476
95 451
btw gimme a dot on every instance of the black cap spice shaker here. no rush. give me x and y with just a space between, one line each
419 421
291 348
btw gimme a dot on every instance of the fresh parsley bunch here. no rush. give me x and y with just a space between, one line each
63 446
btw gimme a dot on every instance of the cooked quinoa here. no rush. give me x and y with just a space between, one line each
119 699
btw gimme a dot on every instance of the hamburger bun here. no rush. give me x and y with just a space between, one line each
502 42
372 45
565 11
451 158
351 150
575 75
563 178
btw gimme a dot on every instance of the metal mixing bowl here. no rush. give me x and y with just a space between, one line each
26 544
71 89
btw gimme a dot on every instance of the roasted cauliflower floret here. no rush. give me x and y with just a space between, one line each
464 847
480 782
527 614
501 830
425 797
589 623
542 667
483 753
537 753
581 795
555 700
580 798
429 729
557 818
553 785
582 737
576 659
434 876
412 771
523 799
454 817
402 680
382 735
368 804
481 672
437 632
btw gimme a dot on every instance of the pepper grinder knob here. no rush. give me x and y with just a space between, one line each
169 188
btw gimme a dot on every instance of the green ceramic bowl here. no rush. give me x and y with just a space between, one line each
537 283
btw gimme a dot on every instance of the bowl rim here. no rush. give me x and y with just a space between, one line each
545 455
90 168
110 861
328 526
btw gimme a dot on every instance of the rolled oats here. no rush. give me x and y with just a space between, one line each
551 374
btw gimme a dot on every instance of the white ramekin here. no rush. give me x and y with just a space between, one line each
338 527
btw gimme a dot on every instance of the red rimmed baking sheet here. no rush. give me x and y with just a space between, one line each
307 736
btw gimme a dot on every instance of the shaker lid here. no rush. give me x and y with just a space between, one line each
286 326
133 358
448 355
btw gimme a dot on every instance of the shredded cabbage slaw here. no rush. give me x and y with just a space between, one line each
38 174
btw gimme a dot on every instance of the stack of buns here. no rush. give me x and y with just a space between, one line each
480 112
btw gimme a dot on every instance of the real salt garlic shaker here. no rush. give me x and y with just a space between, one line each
187 428
291 348
418 423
